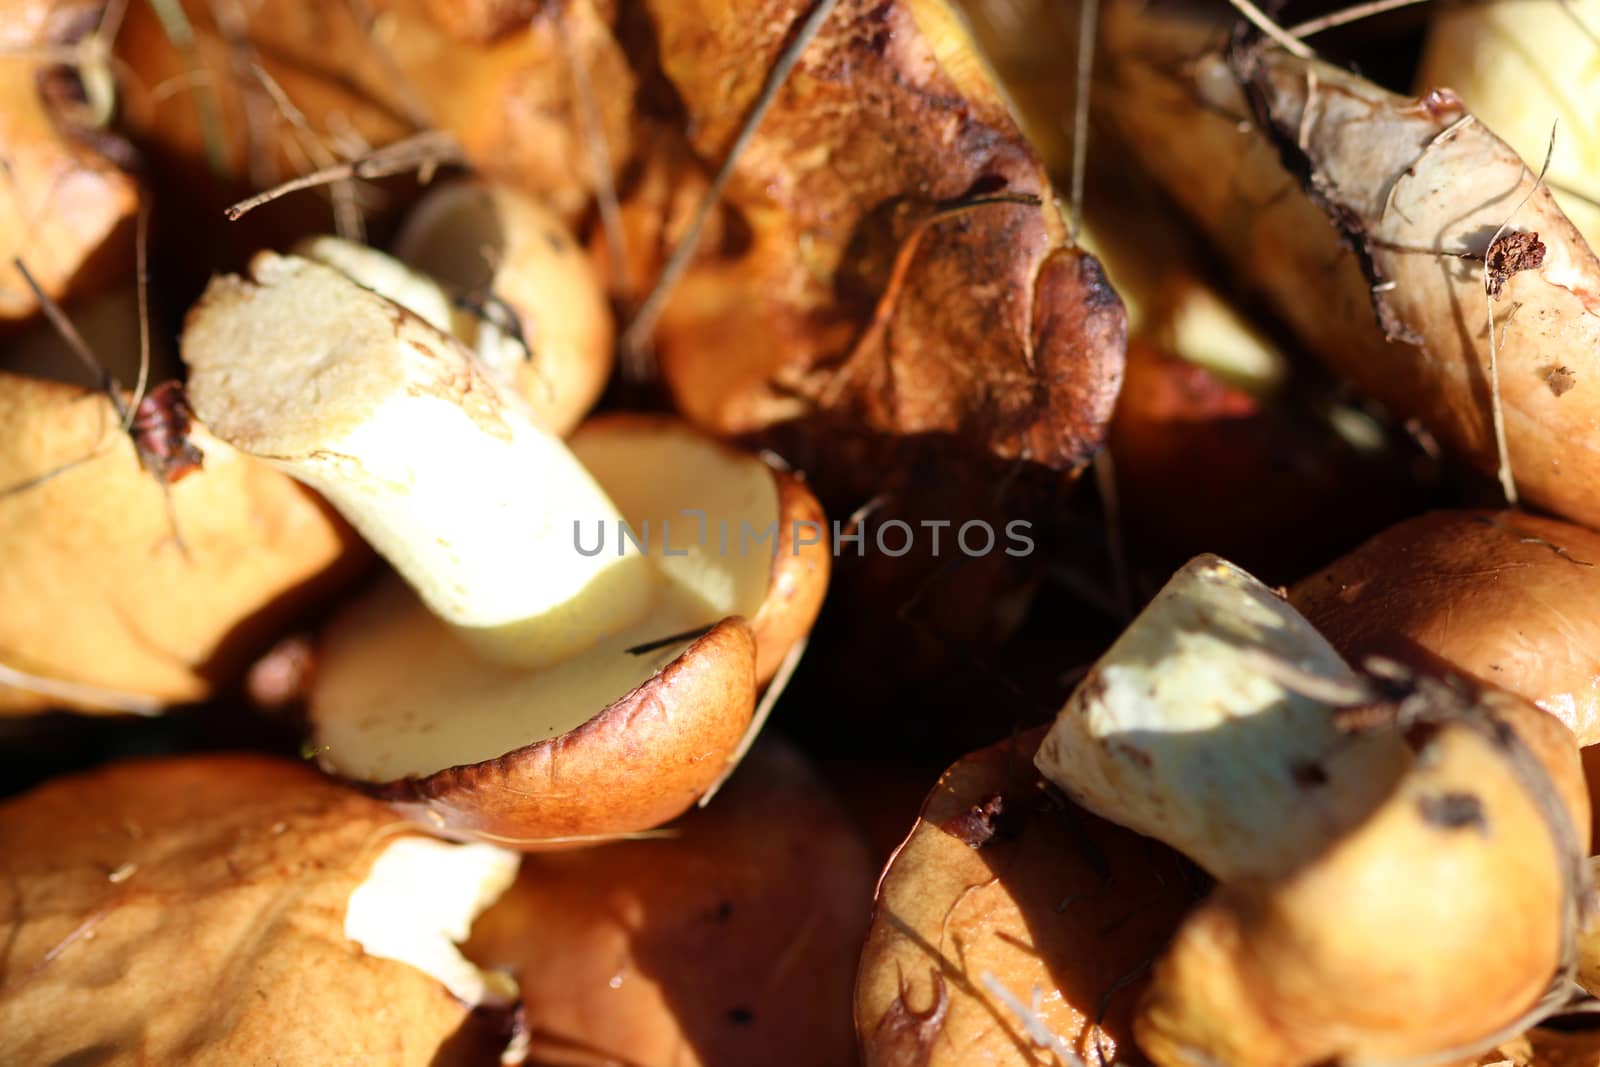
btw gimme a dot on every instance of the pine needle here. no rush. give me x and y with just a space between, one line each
769 700
1258 18
1346 16
637 336
424 152
1088 21
1508 482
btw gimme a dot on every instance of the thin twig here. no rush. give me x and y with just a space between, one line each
1088 20
900 269
1335 692
605 186
1508 482
1040 1034
423 152
50 475
73 692
1105 480
671 639
663 834
80 348
180 34
347 219
234 27
1344 17
410 98
1260 21
637 335
141 283
769 700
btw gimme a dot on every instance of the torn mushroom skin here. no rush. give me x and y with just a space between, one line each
1002 896
68 205
731 939
247 908
1501 596
1403 879
113 601
582 648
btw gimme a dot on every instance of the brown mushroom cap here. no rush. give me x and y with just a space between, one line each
615 739
1503 596
640 760
1428 931
192 911
612 445
485 241
67 211
103 608
996 879
732 941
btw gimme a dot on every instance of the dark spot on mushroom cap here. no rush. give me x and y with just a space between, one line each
1509 254
1453 811
1560 380
981 823
741 1016
1308 774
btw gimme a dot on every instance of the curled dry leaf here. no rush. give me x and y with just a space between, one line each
999 883
1282 160
66 203
1501 596
197 911
895 274
105 608
730 940
887 251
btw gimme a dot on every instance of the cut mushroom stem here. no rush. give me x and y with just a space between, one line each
402 430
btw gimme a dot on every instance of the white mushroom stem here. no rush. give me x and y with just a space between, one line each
420 293
1196 728
418 903
385 275
403 432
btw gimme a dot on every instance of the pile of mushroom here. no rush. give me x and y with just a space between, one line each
513 513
